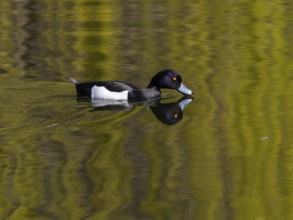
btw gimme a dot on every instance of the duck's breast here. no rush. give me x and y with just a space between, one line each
137 95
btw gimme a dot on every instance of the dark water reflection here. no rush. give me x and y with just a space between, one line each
168 113
229 157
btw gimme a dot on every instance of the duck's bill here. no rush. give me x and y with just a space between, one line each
184 90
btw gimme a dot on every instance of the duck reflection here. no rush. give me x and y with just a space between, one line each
102 105
168 113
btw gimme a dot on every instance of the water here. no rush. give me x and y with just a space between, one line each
228 157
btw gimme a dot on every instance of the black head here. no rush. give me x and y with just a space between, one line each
169 79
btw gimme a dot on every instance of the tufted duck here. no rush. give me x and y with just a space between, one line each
119 90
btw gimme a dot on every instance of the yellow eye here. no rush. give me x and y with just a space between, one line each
175 115
174 78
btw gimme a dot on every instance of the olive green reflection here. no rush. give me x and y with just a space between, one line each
229 158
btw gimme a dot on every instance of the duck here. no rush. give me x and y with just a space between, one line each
125 91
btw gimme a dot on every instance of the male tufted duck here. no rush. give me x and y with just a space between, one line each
119 90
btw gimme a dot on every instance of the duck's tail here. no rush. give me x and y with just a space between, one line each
74 81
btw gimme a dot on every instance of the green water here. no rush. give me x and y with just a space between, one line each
230 157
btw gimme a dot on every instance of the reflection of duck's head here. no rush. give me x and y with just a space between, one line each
170 113
119 90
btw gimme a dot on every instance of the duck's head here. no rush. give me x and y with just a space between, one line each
169 79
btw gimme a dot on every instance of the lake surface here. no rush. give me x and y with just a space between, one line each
228 155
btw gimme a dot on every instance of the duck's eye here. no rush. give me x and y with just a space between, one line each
175 115
174 78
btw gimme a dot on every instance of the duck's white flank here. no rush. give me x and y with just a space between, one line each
100 92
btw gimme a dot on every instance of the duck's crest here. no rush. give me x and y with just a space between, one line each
74 81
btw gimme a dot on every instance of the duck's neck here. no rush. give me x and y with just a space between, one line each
151 85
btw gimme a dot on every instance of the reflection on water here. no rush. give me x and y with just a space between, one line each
230 157
168 113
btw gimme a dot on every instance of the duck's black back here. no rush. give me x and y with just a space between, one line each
84 89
